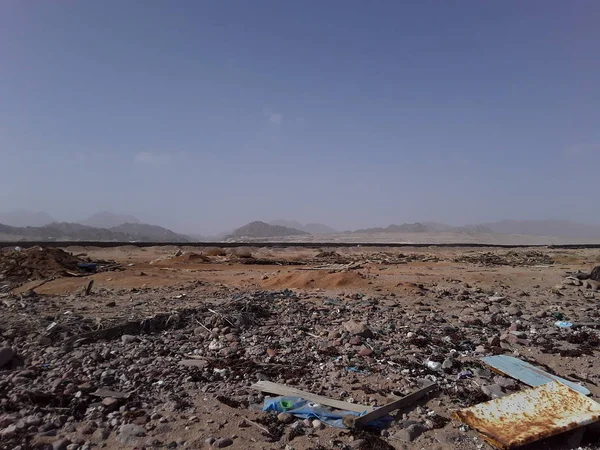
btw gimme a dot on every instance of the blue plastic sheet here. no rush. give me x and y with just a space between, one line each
304 409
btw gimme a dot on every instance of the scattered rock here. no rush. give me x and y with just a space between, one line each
129 433
101 434
317 424
483 373
355 340
88 428
7 419
9 431
513 311
128 339
357 444
365 351
447 364
492 390
410 433
358 329
222 443
6 355
61 444
110 404
285 417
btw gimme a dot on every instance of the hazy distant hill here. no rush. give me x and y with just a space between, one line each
261 229
311 228
145 232
76 232
436 227
23 218
62 230
559 228
404 228
107 219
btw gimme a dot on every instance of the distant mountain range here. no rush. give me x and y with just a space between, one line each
22 218
65 231
310 228
263 230
106 226
404 228
558 228
428 227
107 219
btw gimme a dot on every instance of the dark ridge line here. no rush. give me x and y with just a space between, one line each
109 244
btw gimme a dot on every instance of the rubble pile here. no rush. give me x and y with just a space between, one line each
510 258
77 392
19 265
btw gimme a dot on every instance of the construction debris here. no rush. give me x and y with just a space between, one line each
140 358
378 413
280 389
527 373
510 258
530 415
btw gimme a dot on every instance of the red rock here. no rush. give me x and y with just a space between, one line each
110 404
365 351
355 340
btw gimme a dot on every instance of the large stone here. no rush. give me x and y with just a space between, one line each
61 444
513 311
358 444
88 428
110 404
9 431
595 274
492 390
128 339
365 351
317 424
355 340
222 443
358 329
569 281
6 355
411 432
284 417
7 419
129 433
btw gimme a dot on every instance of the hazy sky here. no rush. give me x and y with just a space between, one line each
204 115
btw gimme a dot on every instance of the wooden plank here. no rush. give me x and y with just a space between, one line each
282 389
386 409
88 289
526 373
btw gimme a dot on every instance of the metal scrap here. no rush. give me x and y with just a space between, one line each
530 415
527 373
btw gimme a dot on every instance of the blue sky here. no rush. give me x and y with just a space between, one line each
202 115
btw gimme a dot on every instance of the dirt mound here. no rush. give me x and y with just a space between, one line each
192 258
35 263
312 279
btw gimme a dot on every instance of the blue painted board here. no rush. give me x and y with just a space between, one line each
526 373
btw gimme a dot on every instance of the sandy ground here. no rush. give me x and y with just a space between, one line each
154 280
